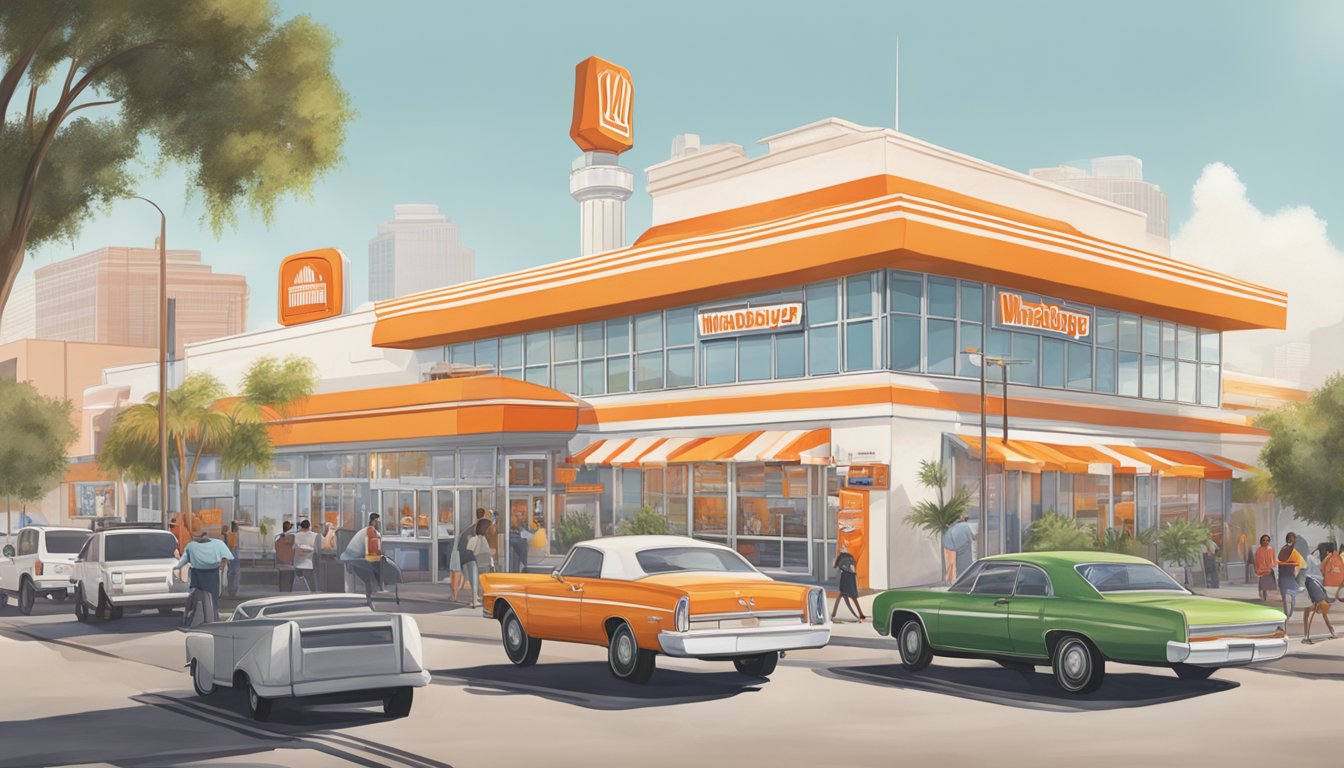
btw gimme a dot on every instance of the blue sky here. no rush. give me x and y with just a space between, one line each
467 106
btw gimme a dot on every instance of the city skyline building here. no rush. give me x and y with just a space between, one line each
109 295
1292 360
417 249
19 319
1119 179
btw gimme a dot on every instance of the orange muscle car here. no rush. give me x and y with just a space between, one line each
644 595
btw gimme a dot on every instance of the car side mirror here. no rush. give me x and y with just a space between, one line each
558 576
8 551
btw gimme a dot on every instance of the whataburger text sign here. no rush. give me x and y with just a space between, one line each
1015 312
749 319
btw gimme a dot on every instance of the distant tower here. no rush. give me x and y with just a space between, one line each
417 250
603 127
1119 179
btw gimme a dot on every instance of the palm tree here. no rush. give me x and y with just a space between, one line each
203 420
1182 542
938 516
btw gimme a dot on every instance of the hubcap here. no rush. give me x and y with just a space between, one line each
623 650
252 697
911 641
1075 662
515 634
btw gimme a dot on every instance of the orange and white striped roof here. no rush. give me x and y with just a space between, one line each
798 446
1035 456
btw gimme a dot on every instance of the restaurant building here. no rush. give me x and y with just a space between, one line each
767 366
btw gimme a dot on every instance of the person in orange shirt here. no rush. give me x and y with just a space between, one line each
1264 567
1332 571
1290 562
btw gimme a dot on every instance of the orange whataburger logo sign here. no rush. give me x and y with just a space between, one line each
604 98
312 286
1039 316
750 320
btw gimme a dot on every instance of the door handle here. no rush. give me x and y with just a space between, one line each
575 588
1002 601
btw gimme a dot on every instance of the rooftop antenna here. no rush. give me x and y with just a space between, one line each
897 122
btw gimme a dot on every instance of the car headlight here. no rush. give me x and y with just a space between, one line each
118 579
816 606
682 615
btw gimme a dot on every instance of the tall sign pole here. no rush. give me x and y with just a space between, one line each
163 360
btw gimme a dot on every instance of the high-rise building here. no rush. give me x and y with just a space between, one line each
418 249
1291 360
19 319
111 296
1119 179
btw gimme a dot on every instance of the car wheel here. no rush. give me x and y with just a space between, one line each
914 645
757 666
626 659
81 607
114 612
521 648
103 610
201 681
1191 672
1078 667
1016 666
398 703
27 596
258 706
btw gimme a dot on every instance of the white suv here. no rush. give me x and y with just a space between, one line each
126 568
39 565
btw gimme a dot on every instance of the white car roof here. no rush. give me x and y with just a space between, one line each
618 552
119 531
57 528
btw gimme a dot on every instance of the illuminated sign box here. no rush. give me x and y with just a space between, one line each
735 322
603 107
1011 310
312 286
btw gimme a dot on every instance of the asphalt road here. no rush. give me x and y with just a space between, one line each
116 694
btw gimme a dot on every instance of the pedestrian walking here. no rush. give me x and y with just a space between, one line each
306 545
1211 564
457 564
479 545
205 556
1317 598
849 584
1264 567
960 538
234 571
1332 572
363 557
284 558
1290 562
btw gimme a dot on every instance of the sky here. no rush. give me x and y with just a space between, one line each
467 105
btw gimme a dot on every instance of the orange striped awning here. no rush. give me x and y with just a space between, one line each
796 446
1156 463
721 448
1009 457
1035 456
1211 470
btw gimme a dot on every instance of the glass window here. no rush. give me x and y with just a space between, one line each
512 373
487 353
1032 582
1168 340
1106 371
649 332
998 343
907 292
1151 369
1126 577
821 303
1168 379
972 302
859 296
790 356
1208 346
904 341
618 336
996 580
681 367
1185 342
859 346
969 338
151 545
511 352
823 350
594 377
942 297
720 366
1128 379
567 378
1025 347
1129 333
463 354
538 374
566 343
1208 385
1052 363
1080 366
1106 328
538 348
618 374
1152 335
942 345
674 559
590 340
583 563
649 371
967 579
1186 385
680 326
753 358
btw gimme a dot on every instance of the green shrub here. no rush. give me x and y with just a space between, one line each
646 522
573 528
1056 533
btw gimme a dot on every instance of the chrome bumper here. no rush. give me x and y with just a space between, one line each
728 643
1227 653
149 600
346 685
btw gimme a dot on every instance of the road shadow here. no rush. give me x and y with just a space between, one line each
1032 690
1309 666
129 624
292 718
590 685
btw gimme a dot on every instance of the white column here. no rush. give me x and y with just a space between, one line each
601 186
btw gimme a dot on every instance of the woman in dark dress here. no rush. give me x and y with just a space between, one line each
849 585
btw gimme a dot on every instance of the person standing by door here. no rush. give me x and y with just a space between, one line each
849 584
284 558
480 549
306 544
462 557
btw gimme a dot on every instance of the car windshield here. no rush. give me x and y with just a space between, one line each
139 546
1128 577
66 542
671 559
303 606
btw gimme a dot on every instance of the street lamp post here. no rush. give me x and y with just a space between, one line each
981 360
163 359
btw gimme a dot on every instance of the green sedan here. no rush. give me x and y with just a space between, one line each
1074 611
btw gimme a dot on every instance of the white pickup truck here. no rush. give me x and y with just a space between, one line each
38 564
126 568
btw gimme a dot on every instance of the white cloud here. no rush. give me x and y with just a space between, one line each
1288 250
